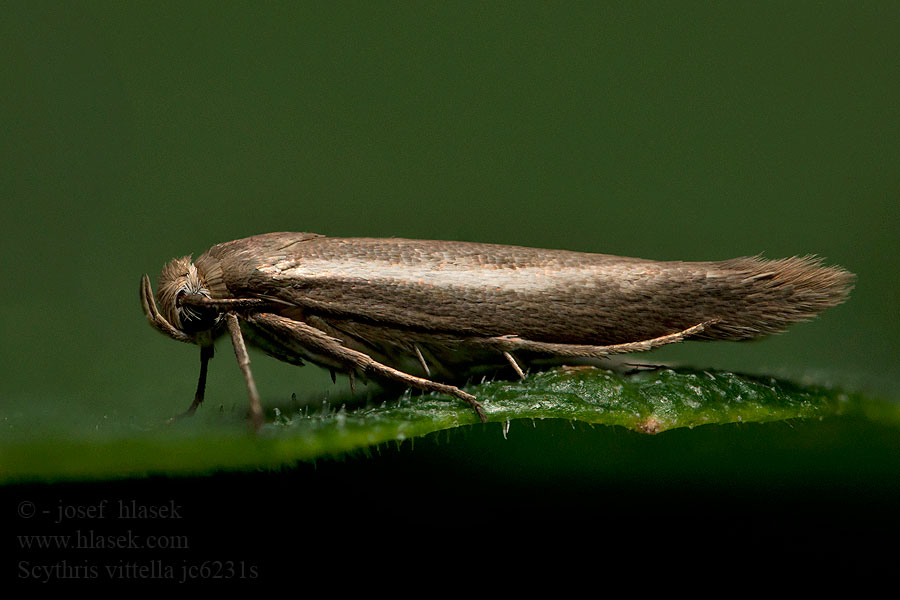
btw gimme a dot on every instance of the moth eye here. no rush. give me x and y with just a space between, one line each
195 318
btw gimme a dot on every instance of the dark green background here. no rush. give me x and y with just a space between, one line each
136 132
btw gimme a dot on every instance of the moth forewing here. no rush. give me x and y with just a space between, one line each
418 312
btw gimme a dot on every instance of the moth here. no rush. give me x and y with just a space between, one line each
421 312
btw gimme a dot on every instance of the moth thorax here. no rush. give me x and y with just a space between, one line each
180 277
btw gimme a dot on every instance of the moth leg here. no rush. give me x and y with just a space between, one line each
240 352
639 367
206 353
510 343
422 360
515 365
316 341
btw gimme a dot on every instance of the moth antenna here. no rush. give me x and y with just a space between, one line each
224 303
422 360
515 365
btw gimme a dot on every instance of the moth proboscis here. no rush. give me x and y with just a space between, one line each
421 312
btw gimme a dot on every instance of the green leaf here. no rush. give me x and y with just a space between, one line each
646 401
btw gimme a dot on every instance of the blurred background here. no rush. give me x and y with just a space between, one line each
137 132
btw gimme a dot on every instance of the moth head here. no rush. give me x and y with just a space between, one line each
176 316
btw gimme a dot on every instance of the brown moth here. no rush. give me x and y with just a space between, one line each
417 312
